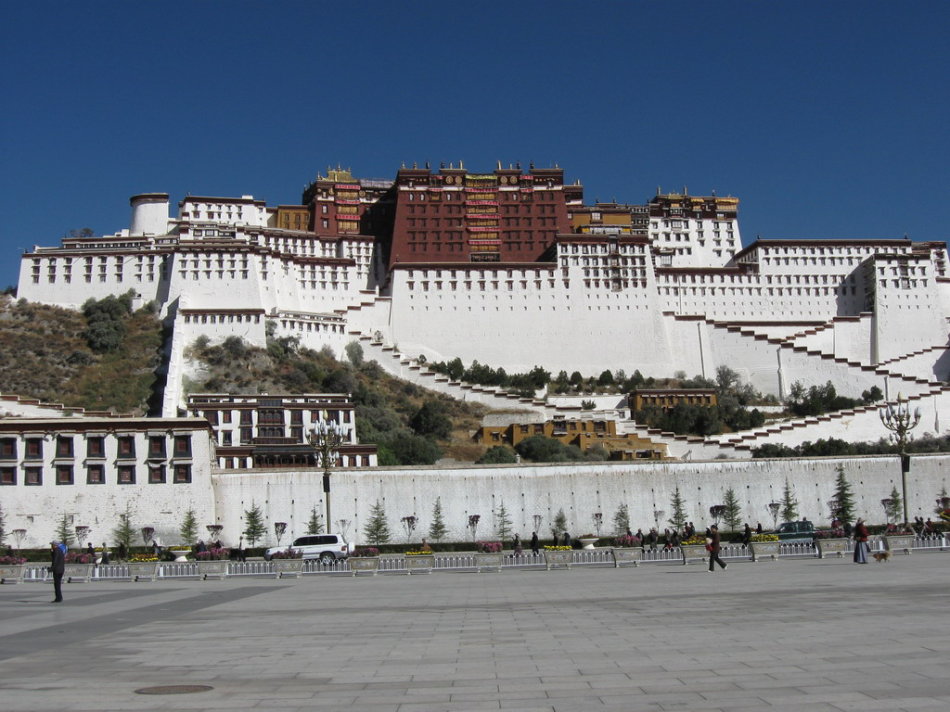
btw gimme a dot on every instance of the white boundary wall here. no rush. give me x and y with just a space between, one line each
580 490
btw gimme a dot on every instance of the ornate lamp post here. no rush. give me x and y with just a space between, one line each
326 438
279 529
343 525
473 523
716 512
148 533
19 535
410 524
657 516
774 508
537 522
82 532
887 503
214 531
598 521
900 421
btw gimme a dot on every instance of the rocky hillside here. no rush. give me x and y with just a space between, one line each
54 355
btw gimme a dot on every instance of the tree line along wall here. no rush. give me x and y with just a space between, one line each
580 490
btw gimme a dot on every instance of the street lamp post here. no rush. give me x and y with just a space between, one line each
326 438
888 505
900 421
279 529
774 508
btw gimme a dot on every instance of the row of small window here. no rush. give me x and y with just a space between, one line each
95 446
96 475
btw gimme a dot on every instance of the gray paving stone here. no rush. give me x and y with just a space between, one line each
789 637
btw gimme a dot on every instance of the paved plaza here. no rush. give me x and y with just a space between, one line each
790 635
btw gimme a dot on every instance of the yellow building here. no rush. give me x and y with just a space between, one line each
585 434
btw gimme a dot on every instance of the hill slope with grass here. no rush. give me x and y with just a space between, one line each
104 357
409 424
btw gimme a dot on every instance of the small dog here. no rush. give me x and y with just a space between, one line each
881 556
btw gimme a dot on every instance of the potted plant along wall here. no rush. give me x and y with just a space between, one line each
831 541
588 540
765 547
420 561
78 567
287 563
489 556
365 560
11 569
627 550
143 567
694 548
558 556
213 563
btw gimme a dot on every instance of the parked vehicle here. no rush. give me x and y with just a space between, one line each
326 547
796 532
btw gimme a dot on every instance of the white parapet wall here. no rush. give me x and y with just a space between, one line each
581 490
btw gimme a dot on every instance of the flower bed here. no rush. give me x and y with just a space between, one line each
12 560
626 542
366 551
288 553
78 558
214 554
557 548
489 547
761 538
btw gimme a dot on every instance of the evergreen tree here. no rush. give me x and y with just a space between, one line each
124 531
376 530
789 504
844 499
315 523
733 514
560 523
895 509
503 522
678 520
64 532
189 528
254 527
622 520
437 529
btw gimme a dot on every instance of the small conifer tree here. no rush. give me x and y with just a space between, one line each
622 520
124 531
437 529
254 527
189 528
502 522
376 530
732 515
789 503
844 499
560 523
678 519
315 523
896 507
64 532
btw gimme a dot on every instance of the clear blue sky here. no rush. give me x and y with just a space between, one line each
827 119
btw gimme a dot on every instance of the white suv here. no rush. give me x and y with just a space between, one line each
326 547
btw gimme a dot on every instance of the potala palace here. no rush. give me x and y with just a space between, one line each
513 269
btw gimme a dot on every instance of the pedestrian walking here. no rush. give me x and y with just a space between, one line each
714 546
534 543
105 555
860 542
57 568
516 545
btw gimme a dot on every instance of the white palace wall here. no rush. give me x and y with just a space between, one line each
580 490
